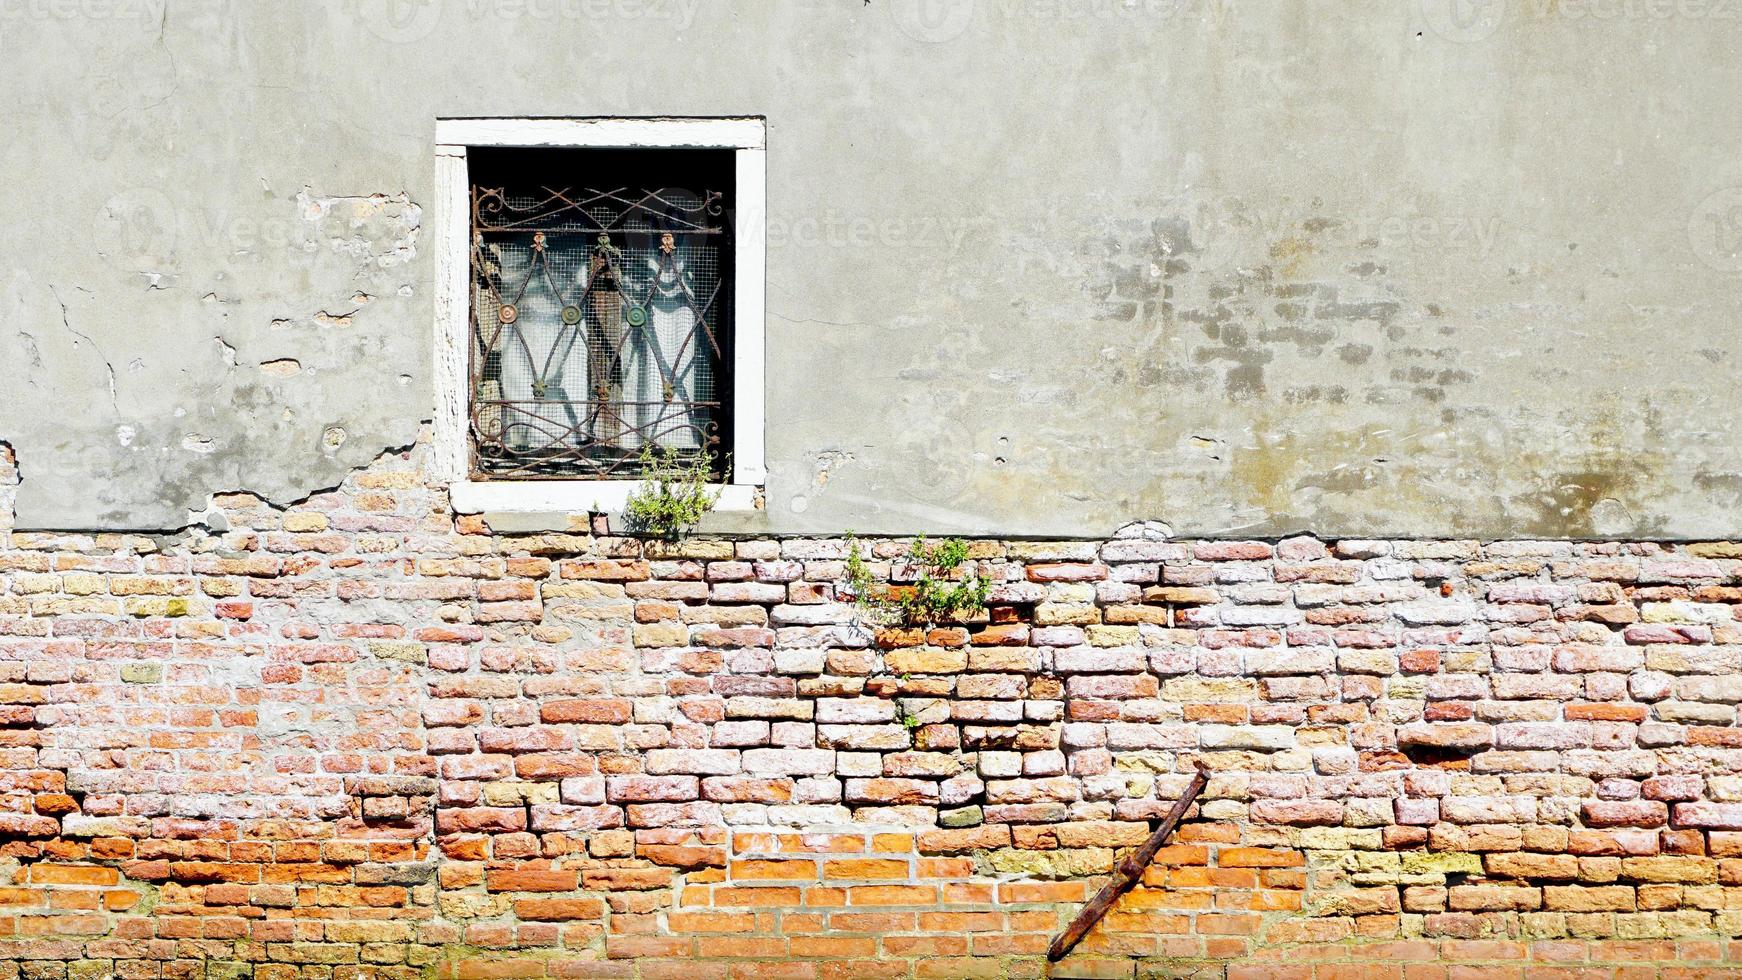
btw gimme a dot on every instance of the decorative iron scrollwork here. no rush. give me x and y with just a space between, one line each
597 328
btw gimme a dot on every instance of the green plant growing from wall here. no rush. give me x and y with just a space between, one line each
946 587
673 494
906 717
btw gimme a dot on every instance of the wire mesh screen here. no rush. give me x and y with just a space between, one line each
599 323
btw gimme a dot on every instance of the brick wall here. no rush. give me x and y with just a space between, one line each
360 737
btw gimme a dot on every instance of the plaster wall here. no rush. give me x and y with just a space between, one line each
1038 267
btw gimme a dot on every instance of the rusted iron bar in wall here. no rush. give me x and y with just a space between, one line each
1128 871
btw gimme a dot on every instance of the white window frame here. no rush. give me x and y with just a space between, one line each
747 137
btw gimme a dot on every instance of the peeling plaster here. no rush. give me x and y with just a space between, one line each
377 228
826 462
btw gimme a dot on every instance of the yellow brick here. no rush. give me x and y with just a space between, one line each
31 582
303 520
141 585
1209 689
1671 868
162 606
692 548
1065 614
1112 636
411 653
81 583
1716 549
662 635
393 480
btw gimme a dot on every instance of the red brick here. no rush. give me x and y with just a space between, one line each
531 880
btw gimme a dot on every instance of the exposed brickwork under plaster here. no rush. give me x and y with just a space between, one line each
363 738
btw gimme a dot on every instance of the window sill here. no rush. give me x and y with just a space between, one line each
573 496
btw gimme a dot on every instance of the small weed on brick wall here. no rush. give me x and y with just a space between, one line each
674 494
925 586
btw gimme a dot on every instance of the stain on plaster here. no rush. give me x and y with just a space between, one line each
1336 396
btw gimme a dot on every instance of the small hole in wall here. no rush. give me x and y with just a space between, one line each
1437 755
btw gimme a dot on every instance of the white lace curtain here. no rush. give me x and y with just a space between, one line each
547 364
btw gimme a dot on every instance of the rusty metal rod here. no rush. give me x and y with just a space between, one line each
1128 871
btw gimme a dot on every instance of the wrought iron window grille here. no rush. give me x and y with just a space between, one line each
600 329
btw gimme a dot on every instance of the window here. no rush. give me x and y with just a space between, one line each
601 311
600 295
